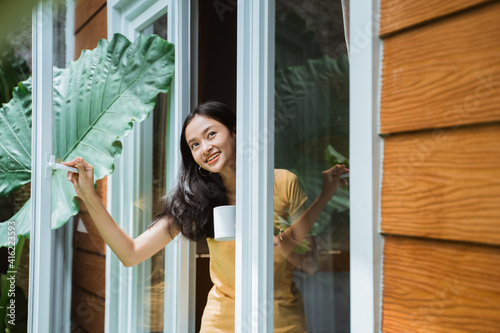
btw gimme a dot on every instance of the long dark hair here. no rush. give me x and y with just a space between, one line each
190 205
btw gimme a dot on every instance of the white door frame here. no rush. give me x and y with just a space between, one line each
255 167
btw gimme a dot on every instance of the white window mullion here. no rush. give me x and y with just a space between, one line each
115 197
255 165
39 299
143 216
132 273
365 160
114 285
243 268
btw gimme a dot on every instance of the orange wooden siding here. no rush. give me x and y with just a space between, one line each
89 238
435 286
396 15
443 184
446 73
440 116
87 310
89 274
88 36
85 11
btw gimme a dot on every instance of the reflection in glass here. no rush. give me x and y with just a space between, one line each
153 283
15 66
312 135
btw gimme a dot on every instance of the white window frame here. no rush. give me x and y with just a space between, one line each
53 311
366 157
129 18
255 167
40 279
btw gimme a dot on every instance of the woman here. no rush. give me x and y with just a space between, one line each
207 179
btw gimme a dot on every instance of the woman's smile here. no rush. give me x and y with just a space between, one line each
213 158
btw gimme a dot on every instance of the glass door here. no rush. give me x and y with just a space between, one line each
311 136
293 124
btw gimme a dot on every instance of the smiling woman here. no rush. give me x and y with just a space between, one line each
203 185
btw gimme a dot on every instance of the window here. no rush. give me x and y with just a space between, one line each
273 61
311 134
130 183
50 251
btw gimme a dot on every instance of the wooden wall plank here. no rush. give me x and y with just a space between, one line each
102 190
84 10
89 35
86 236
396 15
90 272
443 184
87 310
436 286
75 328
443 74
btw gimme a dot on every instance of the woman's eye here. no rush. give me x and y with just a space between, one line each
211 134
194 145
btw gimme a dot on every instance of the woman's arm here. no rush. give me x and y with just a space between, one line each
289 239
130 251
306 262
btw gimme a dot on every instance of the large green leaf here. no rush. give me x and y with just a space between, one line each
15 140
96 100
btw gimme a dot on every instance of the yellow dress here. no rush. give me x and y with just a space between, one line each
289 315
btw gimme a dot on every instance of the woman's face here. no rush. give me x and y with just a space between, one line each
212 145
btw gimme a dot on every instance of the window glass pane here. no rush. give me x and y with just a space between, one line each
311 135
78 252
15 66
151 279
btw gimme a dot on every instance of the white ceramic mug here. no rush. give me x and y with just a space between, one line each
225 223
